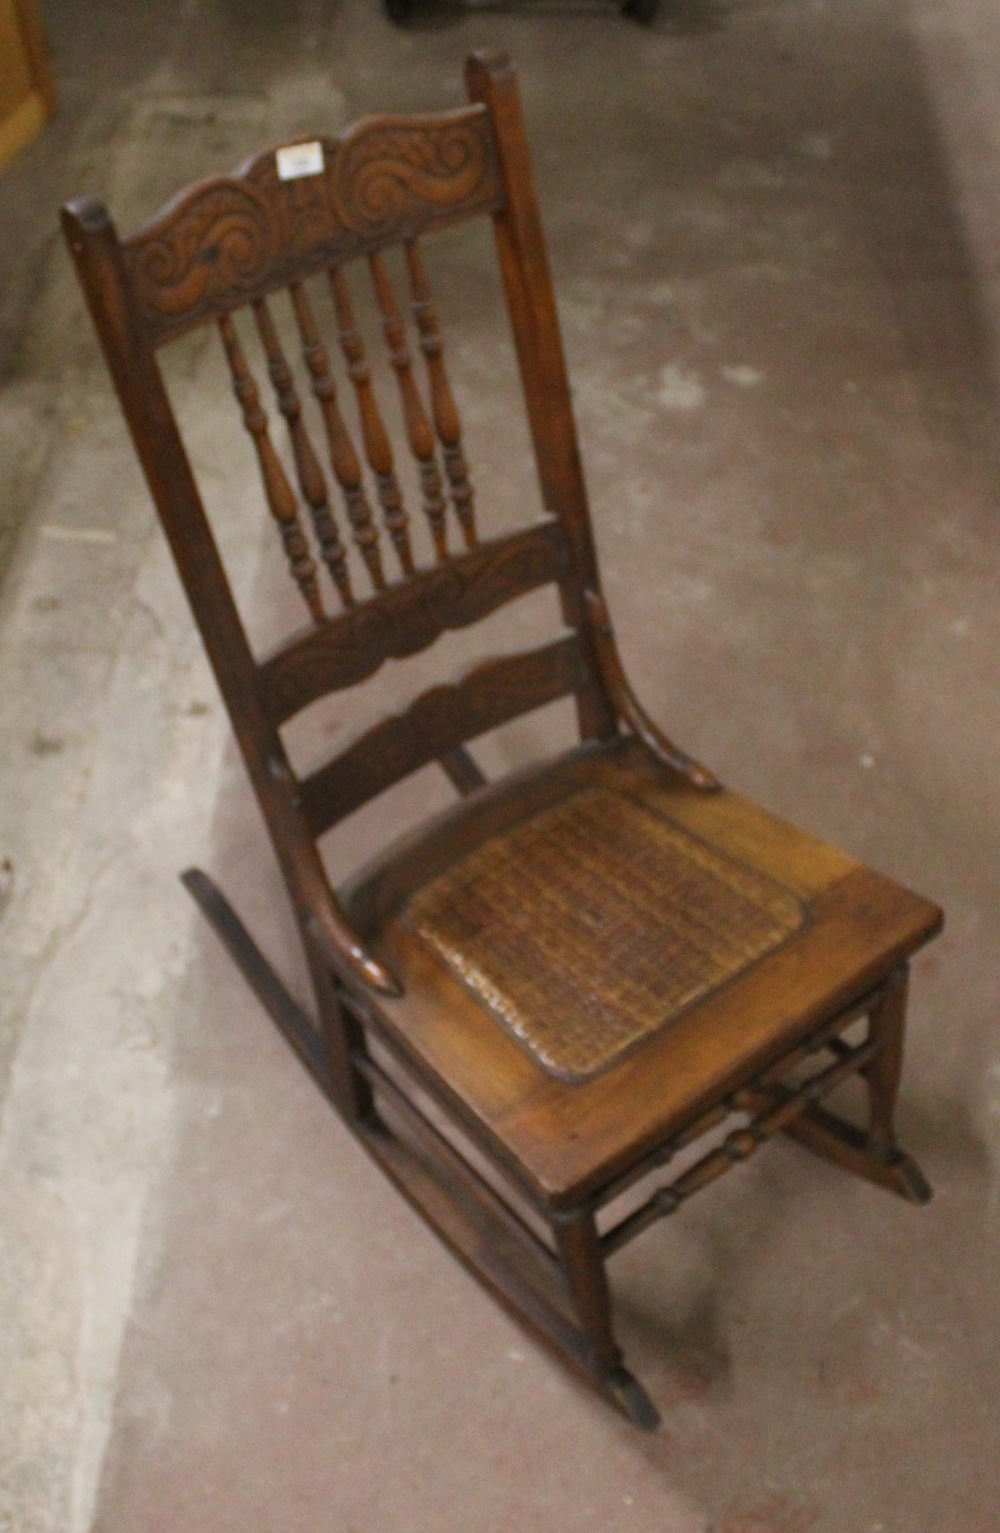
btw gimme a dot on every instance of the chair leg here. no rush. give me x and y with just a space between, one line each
343 1036
579 1247
587 1348
885 1027
874 1154
887 1024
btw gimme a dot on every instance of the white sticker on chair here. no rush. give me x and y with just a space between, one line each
299 160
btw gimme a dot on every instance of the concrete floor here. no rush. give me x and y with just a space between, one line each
774 227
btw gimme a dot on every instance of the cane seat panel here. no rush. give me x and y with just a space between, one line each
597 922
568 1135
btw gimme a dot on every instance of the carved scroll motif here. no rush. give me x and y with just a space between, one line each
219 241
389 176
405 618
232 239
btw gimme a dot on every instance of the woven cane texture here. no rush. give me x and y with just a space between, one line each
589 926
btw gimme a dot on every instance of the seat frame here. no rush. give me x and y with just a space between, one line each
541 1249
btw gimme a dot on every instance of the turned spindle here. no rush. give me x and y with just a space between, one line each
446 418
418 427
373 432
310 476
279 492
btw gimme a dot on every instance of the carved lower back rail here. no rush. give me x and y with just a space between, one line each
775 1106
437 723
406 617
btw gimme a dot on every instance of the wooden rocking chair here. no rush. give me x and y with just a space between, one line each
575 972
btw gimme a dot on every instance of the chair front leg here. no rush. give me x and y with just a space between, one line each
579 1247
886 1025
343 1037
874 1153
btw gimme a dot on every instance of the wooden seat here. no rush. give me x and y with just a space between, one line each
819 940
532 1003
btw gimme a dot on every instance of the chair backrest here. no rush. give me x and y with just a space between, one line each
309 214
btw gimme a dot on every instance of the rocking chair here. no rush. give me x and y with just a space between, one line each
574 973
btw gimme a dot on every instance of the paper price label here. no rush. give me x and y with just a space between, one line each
299 160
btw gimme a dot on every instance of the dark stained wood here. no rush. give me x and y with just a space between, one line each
310 476
373 432
446 419
832 1138
424 1042
97 254
492 79
532 1296
407 618
343 458
461 770
437 722
580 1248
574 1138
230 239
418 427
280 495
825 1036
886 1029
775 1108
294 1024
